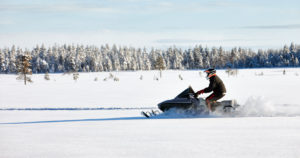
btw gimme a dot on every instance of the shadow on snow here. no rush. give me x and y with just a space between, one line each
113 119
71 109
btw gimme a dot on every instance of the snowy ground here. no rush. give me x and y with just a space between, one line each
87 118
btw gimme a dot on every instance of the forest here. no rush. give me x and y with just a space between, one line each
80 58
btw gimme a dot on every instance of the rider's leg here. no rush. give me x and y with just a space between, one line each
208 104
212 99
209 101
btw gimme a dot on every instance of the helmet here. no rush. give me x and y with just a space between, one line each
210 73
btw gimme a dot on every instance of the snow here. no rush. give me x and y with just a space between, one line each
87 118
63 91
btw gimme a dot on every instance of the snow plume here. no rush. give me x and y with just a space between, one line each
261 107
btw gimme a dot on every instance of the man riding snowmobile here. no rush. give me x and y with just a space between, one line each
216 85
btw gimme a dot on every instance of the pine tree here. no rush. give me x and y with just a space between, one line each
24 68
159 64
296 62
47 77
292 47
198 57
12 60
2 63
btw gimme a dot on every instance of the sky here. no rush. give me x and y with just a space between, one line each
255 24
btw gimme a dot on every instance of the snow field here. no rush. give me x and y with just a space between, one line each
118 134
61 91
267 126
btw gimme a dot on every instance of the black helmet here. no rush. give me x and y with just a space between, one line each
210 71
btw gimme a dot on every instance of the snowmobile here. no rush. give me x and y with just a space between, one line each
186 103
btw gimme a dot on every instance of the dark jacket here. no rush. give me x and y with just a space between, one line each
216 85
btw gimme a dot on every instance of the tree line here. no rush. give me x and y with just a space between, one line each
79 58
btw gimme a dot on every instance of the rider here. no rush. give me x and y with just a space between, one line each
216 85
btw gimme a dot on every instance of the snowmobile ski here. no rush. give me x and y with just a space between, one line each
150 114
146 114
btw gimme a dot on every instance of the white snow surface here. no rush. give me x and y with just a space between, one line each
87 118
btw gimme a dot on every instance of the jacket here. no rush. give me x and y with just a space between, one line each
216 85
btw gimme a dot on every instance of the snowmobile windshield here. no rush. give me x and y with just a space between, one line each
185 93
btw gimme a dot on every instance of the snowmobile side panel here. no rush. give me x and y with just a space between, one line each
181 103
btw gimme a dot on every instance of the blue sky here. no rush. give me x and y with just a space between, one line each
159 23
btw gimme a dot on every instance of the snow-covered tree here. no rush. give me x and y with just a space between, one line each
2 62
79 58
47 77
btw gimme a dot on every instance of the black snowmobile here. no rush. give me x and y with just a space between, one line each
186 103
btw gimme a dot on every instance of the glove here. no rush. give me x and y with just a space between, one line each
195 95
201 91
198 93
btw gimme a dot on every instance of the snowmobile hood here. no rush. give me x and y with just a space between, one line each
186 93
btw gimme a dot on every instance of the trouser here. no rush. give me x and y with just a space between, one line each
215 96
211 100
